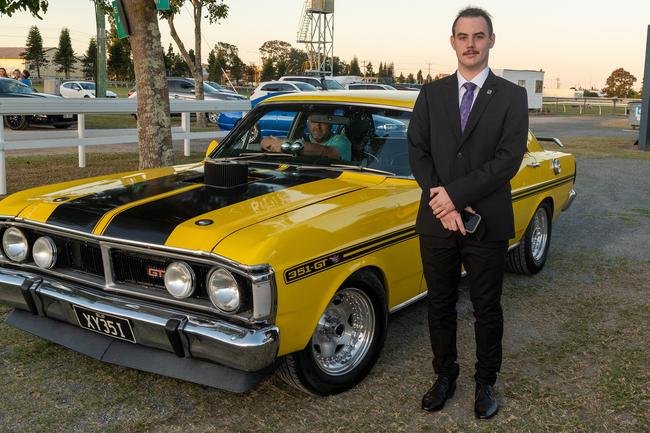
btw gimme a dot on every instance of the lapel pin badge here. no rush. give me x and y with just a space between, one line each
489 91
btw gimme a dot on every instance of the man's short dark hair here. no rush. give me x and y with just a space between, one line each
473 13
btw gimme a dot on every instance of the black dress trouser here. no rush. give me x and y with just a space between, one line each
484 263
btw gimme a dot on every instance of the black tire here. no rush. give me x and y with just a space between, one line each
304 370
530 255
16 122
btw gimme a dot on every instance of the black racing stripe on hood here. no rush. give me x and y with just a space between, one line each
84 212
154 221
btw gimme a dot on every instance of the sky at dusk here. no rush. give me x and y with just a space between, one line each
580 42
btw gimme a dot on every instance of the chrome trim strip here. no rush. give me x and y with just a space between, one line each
408 302
513 246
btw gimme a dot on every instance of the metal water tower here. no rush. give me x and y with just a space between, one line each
316 31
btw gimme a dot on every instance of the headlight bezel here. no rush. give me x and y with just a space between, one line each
234 290
185 269
21 258
53 252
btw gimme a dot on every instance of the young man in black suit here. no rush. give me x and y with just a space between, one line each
467 138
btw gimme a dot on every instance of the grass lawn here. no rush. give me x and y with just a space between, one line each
576 350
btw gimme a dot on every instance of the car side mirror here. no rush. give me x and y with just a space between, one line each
211 147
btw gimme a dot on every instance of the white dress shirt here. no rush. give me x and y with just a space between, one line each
479 80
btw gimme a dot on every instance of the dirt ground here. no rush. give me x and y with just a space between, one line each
576 350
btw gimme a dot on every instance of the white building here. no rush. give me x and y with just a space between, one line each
533 81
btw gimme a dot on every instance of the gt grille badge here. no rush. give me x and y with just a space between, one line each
156 273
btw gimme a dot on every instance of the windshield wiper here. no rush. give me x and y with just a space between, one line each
362 169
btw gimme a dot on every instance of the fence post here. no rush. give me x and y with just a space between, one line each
614 100
3 168
185 127
81 133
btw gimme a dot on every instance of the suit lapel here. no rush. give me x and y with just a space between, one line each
482 100
451 106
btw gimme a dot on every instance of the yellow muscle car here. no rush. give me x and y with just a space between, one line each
272 254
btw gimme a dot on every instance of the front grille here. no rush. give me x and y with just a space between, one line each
140 269
83 257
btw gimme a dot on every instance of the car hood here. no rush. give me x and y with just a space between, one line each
173 207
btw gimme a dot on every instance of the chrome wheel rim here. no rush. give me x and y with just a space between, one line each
344 333
213 117
254 134
539 237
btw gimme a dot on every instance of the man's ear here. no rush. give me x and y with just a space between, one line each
452 41
492 40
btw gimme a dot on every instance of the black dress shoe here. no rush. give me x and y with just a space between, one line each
436 397
485 404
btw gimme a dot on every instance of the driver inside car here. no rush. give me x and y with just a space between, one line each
321 141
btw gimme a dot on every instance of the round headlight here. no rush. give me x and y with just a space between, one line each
15 244
44 252
223 290
179 280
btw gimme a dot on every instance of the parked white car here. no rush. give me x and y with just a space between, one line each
368 86
324 83
280 86
81 89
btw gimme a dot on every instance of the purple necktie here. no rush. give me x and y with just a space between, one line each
466 104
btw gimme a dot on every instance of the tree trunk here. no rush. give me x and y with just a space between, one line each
154 125
198 67
197 73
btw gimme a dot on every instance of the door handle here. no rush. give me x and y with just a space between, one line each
534 164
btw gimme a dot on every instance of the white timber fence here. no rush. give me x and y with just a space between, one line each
81 107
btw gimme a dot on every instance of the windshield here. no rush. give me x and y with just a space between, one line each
87 86
305 87
341 136
13 86
333 85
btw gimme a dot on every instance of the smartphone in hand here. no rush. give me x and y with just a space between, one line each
470 220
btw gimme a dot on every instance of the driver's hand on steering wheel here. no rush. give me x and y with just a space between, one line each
271 144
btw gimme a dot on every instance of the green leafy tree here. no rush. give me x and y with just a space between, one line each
276 51
34 54
401 78
89 61
64 56
381 71
410 79
619 84
214 10
354 66
268 70
340 67
369 71
420 77
214 70
118 64
297 59
428 79
390 72
8 7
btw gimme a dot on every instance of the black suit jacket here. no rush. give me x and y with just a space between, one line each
476 167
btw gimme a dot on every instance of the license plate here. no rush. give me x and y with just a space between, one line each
106 324
67 116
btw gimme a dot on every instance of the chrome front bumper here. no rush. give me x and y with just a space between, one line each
180 342
569 200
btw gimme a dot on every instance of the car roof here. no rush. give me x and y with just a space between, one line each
394 98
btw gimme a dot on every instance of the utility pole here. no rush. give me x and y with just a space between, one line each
644 127
100 90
